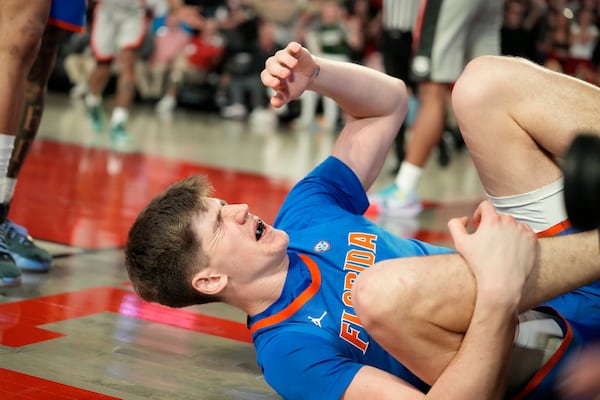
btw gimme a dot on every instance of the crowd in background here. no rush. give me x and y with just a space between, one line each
210 54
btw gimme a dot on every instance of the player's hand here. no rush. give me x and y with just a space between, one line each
501 252
288 73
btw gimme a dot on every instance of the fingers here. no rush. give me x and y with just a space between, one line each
278 68
458 228
281 64
485 208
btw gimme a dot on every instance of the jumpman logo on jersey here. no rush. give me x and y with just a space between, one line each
317 321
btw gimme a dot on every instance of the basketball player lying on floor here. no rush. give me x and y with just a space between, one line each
340 308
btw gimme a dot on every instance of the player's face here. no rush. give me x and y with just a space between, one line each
238 242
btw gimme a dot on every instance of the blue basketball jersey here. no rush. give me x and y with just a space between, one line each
580 307
310 343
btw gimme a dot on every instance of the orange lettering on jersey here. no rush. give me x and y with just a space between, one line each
349 280
353 267
347 298
360 257
364 240
350 330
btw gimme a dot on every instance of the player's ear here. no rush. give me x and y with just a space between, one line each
209 282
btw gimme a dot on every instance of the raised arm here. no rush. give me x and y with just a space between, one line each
375 103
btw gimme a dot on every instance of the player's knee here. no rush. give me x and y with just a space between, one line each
474 88
24 42
376 296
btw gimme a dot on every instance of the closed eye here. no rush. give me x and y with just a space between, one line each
219 218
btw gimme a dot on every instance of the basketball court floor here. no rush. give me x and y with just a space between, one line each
79 331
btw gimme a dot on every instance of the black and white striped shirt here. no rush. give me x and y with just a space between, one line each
399 14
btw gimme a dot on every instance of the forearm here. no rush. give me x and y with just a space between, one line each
434 298
564 263
375 105
360 91
478 370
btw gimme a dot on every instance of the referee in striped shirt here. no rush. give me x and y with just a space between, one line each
398 18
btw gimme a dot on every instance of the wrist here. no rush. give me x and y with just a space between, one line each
315 74
494 296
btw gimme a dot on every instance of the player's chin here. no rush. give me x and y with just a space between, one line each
278 238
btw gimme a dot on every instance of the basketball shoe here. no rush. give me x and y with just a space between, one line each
395 203
10 274
121 139
96 116
165 107
26 255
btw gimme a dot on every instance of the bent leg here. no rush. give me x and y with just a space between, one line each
515 116
518 120
509 111
418 308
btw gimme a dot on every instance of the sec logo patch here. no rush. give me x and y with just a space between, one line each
322 246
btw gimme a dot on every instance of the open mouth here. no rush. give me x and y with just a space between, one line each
260 229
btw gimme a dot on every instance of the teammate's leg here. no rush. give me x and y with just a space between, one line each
63 15
102 43
21 27
129 37
26 254
125 93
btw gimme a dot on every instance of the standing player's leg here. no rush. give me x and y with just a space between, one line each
102 42
446 40
26 254
21 28
63 15
129 37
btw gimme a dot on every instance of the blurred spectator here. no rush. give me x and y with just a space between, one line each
169 42
363 28
285 15
328 38
558 40
194 64
78 63
519 29
243 60
118 32
584 37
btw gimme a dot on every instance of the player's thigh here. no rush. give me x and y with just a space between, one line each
417 308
